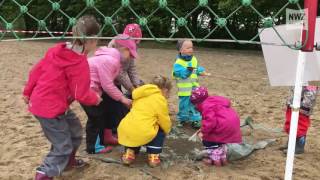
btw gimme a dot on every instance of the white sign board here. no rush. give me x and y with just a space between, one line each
281 61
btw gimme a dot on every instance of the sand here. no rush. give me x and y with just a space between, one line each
239 75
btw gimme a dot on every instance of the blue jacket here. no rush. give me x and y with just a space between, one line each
182 72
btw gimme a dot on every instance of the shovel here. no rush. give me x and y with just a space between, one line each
247 122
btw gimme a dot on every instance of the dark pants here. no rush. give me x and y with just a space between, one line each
65 134
115 111
211 145
107 115
153 147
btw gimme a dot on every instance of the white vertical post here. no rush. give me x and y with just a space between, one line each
295 114
312 7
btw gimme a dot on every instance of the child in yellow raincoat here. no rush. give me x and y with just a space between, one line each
148 121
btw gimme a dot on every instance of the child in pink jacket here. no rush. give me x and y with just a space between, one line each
220 124
128 77
58 79
104 68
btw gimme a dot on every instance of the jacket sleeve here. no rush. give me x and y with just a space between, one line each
111 44
208 122
79 83
132 73
163 115
200 70
34 75
308 97
124 80
105 72
290 98
180 71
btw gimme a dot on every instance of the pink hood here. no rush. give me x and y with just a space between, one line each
104 68
220 123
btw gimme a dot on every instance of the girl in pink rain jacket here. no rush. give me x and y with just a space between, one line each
220 124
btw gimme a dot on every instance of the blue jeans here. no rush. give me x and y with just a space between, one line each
187 111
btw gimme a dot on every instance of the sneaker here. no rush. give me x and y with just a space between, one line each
40 175
154 160
128 157
196 124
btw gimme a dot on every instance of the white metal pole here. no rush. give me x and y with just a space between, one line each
295 114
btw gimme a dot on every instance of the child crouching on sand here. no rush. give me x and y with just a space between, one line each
148 121
220 125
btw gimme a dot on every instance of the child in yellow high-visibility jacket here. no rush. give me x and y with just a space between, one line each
186 72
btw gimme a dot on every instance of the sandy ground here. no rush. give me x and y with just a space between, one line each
239 75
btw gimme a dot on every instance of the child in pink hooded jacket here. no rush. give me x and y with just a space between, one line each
58 79
220 124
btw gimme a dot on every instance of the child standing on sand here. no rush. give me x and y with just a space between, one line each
58 79
308 101
186 71
148 121
128 76
220 125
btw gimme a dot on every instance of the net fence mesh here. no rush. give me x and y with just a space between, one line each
10 32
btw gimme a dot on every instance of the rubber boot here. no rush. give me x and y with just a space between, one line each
154 160
300 143
108 138
75 163
42 176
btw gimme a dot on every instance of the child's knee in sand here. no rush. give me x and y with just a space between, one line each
220 125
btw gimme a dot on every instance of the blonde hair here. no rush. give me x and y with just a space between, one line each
86 25
162 82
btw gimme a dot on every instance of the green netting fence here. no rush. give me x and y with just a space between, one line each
22 8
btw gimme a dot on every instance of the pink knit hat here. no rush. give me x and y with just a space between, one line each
198 95
133 30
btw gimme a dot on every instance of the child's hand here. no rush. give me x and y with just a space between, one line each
205 74
127 102
190 68
25 99
99 100
200 135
